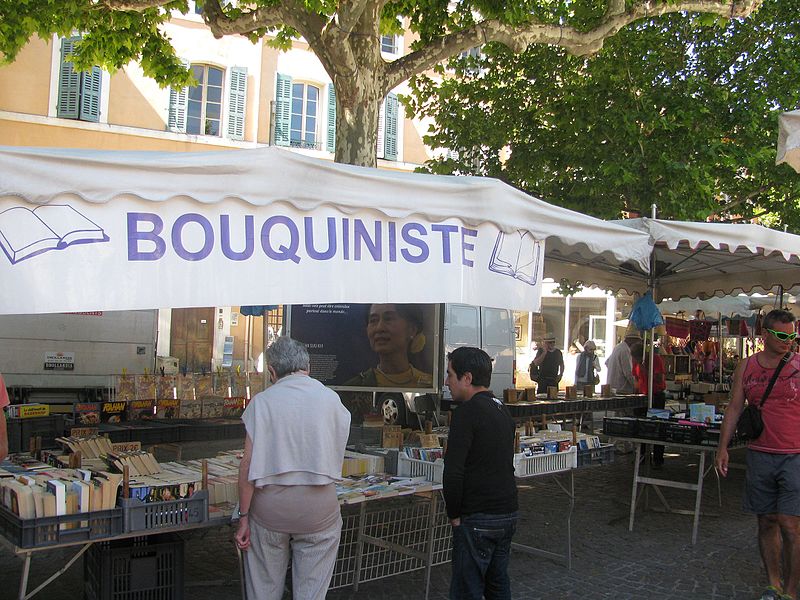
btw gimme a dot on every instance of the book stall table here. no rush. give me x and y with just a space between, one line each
542 407
698 442
555 465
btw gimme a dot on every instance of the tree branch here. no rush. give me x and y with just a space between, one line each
576 42
350 12
290 13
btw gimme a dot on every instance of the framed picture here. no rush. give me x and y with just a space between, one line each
518 332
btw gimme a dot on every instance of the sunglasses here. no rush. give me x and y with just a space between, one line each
783 336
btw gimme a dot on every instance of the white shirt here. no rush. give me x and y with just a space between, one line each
620 366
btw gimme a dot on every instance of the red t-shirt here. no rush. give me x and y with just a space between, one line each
641 372
4 401
781 411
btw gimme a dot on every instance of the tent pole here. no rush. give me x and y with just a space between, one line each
265 333
720 338
651 285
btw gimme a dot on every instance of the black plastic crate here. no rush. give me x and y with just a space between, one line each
49 531
142 568
152 432
684 434
620 426
139 516
21 430
651 429
603 455
115 433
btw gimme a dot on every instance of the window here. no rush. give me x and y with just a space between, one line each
303 123
389 44
204 107
79 94
199 109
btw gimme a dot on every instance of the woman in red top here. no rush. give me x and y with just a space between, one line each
641 370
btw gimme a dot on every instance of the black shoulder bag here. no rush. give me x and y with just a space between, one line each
751 424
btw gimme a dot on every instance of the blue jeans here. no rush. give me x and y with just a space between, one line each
481 551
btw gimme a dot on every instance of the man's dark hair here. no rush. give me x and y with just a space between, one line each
472 360
777 316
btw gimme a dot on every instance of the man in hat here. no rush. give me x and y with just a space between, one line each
550 362
620 365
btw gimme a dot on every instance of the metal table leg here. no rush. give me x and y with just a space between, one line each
359 546
635 486
429 542
701 471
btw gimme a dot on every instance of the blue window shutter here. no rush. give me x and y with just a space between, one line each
178 102
91 84
237 101
330 142
390 129
283 109
381 139
69 83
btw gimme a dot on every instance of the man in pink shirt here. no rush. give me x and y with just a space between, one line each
3 431
772 489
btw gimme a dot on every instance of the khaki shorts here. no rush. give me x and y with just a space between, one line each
773 484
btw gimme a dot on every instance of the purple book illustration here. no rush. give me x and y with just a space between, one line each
24 233
517 255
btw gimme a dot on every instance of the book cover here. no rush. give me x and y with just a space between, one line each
25 233
145 387
255 383
185 387
517 255
141 408
86 413
59 490
167 408
125 387
114 412
166 387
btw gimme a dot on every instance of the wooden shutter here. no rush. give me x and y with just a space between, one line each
178 103
237 99
381 144
69 83
330 140
392 112
283 109
91 84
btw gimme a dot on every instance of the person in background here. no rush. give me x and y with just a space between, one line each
395 332
772 486
293 453
709 367
588 365
4 401
550 362
480 491
641 372
620 365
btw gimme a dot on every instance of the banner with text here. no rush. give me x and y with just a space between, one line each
133 254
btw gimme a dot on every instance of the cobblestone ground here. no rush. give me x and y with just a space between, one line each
656 561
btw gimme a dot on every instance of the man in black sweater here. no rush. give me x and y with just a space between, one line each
479 486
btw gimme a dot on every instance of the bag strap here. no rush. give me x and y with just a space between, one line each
772 381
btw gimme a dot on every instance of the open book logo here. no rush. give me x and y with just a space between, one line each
24 233
517 255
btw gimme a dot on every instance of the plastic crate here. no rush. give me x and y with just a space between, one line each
683 434
620 426
413 467
651 429
137 569
138 515
542 464
49 531
21 430
596 456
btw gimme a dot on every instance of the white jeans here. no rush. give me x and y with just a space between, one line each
313 557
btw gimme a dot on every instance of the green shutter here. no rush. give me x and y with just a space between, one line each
390 128
381 138
91 84
237 99
330 142
283 109
69 83
178 102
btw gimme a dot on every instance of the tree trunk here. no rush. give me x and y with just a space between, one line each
358 102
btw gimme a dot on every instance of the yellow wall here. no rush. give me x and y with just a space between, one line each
136 101
25 83
14 133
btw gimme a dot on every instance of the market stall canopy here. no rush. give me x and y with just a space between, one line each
98 230
703 260
726 306
789 139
